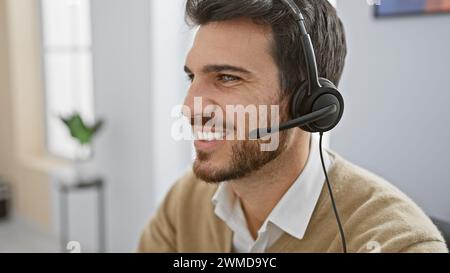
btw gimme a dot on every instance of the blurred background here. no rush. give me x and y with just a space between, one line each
86 93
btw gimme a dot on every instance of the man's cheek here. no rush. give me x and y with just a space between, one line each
273 145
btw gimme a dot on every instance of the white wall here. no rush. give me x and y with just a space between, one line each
171 39
138 51
397 115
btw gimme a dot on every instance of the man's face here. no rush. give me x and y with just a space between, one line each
230 64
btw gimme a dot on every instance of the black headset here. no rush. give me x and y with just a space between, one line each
317 105
315 93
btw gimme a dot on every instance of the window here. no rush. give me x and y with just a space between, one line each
67 57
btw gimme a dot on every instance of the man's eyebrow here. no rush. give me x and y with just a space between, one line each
219 68
223 68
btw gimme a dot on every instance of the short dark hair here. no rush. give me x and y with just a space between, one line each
323 24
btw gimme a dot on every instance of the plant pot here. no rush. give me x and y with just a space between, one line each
83 163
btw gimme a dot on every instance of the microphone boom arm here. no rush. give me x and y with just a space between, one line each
298 122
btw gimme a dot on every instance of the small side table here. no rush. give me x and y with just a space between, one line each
65 188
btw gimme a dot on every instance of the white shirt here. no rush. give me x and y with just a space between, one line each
291 215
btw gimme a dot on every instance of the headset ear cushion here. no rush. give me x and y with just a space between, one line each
326 95
298 99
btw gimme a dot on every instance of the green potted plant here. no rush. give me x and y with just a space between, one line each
83 134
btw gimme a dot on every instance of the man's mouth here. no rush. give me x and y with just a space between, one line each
209 136
208 140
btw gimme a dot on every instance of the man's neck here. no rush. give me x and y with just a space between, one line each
260 192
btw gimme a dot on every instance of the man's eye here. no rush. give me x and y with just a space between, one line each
228 78
190 78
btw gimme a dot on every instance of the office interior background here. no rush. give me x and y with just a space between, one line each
122 61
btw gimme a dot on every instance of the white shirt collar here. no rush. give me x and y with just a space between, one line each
292 213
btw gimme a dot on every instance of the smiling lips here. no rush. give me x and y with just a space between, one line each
208 140
209 136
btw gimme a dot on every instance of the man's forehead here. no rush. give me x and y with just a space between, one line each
239 26
239 41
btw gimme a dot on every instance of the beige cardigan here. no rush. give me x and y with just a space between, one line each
377 217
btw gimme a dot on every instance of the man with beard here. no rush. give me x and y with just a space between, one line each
239 198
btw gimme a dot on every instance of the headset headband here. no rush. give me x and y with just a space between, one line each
308 49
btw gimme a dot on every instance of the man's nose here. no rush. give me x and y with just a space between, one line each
196 99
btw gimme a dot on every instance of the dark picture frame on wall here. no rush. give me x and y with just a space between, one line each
392 8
